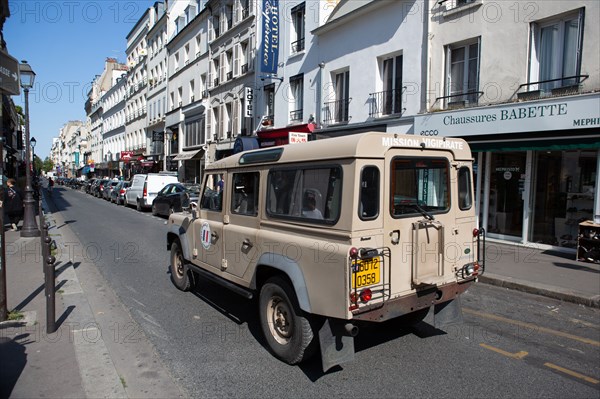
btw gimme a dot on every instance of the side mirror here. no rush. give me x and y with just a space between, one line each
194 209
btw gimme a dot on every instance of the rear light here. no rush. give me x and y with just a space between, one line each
353 252
145 194
121 191
470 270
366 295
475 232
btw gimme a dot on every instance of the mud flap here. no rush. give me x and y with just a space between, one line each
447 313
336 348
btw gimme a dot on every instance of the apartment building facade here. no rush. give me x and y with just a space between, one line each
520 81
188 57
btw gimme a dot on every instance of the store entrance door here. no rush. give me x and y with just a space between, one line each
507 185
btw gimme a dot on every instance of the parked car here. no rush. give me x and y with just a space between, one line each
108 187
173 197
117 195
144 188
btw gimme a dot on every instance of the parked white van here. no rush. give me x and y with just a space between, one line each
144 188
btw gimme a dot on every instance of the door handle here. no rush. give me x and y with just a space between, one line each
246 244
214 236
395 236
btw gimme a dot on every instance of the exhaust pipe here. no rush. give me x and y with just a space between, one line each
351 329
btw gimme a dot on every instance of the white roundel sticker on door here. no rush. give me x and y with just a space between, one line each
205 235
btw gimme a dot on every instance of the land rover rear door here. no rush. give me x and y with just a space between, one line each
416 221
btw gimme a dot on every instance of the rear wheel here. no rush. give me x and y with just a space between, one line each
287 329
180 274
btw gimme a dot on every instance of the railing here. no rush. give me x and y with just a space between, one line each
229 75
469 97
216 31
298 46
388 102
245 13
548 88
216 82
296 116
245 68
336 111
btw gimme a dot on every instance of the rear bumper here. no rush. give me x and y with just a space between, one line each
422 298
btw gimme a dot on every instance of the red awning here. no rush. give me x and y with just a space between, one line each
280 133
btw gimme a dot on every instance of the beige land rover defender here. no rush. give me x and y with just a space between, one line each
365 227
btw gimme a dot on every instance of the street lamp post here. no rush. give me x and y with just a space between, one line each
30 228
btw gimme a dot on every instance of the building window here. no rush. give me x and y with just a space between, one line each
269 102
297 37
389 100
194 133
336 111
462 73
556 51
297 98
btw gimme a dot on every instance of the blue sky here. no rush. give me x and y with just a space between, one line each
66 44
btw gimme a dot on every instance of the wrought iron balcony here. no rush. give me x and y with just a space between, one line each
551 87
461 100
298 46
336 111
384 103
296 116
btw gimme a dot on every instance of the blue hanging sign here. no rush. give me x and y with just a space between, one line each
270 35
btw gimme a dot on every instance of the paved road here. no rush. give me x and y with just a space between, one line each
511 344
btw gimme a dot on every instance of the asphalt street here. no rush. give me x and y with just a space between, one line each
511 344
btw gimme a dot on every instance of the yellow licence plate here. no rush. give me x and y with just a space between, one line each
366 272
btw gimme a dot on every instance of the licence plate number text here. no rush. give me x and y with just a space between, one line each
366 272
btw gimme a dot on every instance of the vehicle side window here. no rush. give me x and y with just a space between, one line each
312 194
212 196
464 189
245 193
368 202
164 190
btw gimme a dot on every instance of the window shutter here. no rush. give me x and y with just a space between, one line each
236 59
223 71
209 133
236 118
221 120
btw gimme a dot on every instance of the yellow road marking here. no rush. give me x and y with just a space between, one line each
518 355
572 373
533 327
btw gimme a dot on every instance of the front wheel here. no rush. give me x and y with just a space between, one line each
138 205
180 274
287 329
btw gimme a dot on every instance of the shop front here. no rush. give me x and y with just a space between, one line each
536 165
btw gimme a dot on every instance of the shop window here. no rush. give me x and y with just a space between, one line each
556 51
462 73
368 201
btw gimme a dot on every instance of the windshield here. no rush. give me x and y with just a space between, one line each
419 186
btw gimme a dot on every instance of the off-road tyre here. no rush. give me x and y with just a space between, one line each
181 275
287 329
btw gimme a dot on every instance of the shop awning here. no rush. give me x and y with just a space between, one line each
284 131
591 143
187 155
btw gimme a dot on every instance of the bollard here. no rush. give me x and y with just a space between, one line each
49 282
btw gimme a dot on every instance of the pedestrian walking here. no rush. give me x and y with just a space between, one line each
13 203
50 185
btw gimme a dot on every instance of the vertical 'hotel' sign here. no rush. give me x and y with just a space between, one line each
270 33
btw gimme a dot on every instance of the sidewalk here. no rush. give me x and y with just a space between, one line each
87 357
95 352
542 272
